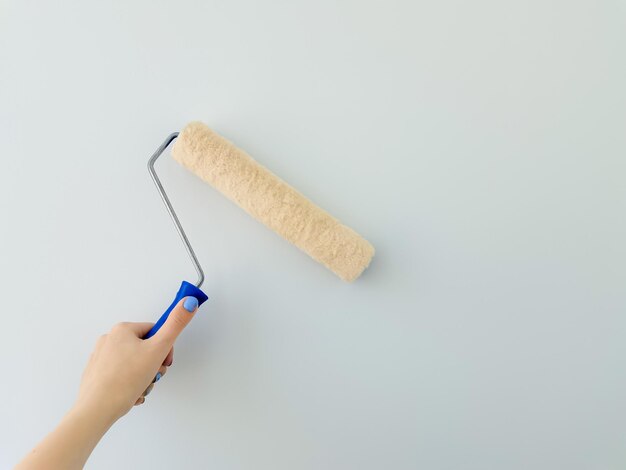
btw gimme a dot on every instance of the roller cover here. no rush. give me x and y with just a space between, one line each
270 200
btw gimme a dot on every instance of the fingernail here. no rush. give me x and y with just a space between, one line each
190 304
158 377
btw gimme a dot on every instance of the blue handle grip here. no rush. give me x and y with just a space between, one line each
186 290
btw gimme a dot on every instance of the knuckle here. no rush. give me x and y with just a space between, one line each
179 320
119 326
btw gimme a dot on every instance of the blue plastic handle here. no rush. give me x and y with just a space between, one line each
186 290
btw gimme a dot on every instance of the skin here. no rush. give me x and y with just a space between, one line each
119 375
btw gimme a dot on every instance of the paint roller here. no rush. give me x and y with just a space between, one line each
265 197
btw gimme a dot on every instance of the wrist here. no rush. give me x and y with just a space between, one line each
97 417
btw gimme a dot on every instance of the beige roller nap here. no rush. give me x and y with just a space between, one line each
272 201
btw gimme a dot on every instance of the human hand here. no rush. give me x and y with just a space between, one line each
123 367
119 374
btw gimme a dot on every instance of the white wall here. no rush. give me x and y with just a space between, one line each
479 145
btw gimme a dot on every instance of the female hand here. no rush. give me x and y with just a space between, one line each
120 373
123 367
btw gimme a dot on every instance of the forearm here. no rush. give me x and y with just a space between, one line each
71 443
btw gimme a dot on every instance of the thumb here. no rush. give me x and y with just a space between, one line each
177 320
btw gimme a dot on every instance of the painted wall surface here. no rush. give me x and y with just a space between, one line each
480 146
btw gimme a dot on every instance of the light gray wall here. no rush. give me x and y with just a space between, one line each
479 145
